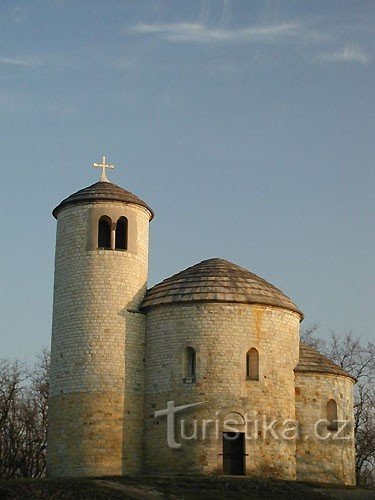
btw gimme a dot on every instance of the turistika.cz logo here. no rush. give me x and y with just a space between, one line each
253 426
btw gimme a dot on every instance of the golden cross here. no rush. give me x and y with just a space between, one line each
103 166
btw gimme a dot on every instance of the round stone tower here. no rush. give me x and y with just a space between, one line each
322 457
227 339
98 334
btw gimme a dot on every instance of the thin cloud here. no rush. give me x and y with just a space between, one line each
200 33
348 54
18 15
224 68
24 103
226 13
25 62
11 102
125 63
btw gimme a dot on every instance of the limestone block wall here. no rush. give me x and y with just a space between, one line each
98 346
329 460
221 334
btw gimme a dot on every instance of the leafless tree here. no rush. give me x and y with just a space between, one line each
23 418
358 359
24 410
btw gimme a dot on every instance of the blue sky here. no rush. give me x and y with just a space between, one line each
247 126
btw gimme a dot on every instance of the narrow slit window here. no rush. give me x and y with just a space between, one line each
190 363
332 415
252 364
104 233
122 234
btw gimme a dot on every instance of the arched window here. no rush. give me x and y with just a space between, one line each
332 415
104 232
122 234
252 364
189 364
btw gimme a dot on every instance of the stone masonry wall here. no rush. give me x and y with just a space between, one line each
330 460
221 335
97 352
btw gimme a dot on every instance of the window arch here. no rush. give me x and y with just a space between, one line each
122 234
332 415
189 364
104 232
252 364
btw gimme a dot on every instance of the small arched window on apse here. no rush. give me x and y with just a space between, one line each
252 364
104 232
122 234
332 415
189 364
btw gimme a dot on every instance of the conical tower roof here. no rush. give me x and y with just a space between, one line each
217 280
102 191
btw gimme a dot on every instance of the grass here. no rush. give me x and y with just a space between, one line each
224 487
180 487
51 489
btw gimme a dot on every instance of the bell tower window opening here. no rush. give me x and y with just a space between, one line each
104 233
122 234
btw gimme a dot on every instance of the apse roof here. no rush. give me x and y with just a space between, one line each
312 361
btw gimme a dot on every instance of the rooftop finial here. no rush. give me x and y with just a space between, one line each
103 166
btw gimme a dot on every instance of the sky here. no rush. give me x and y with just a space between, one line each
247 126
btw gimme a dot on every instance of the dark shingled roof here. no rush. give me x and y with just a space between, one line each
217 280
312 361
102 191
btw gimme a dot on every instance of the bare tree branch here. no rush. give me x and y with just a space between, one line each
358 359
23 418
